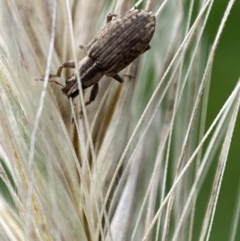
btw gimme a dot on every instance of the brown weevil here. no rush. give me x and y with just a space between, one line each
122 40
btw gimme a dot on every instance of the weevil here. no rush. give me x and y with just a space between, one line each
122 40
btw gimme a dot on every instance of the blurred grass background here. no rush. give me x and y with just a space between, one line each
225 74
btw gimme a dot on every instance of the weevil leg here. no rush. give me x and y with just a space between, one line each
68 64
129 76
110 17
93 94
118 78
146 49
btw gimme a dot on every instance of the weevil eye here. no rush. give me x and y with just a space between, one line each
67 80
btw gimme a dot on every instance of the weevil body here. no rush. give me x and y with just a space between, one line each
114 47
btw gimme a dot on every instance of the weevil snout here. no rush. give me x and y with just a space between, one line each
89 72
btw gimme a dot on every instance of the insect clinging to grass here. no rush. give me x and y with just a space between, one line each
122 40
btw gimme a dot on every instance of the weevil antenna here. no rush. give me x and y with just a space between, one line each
54 81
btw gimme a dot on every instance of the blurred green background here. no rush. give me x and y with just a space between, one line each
225 74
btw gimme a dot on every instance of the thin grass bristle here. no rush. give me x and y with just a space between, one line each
129 166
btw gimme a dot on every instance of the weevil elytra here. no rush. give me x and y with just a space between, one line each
122 40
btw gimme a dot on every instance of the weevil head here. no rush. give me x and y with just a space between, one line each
89 72
71 87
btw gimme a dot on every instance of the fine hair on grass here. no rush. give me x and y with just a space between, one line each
144 161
